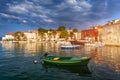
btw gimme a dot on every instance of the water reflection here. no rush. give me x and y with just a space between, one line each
104 64
81 70
33 49
27 49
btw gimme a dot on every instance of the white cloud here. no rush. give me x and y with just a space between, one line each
73 2
13 17
34 14
21 7
9 16
78 8
38 15
43 16
3 14
79 5
85 4
48 20
28 7
43 2
24 21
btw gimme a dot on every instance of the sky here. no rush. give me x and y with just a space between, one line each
17 15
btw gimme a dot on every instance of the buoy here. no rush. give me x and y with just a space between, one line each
35 61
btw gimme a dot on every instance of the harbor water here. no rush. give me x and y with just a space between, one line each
17 62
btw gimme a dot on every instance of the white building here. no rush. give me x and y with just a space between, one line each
8 37
30 36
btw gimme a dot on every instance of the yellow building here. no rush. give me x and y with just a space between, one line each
110 32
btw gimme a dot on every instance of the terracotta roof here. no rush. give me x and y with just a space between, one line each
34 31
10 33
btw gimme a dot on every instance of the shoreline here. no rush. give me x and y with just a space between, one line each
112 45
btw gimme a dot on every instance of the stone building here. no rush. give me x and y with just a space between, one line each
110 33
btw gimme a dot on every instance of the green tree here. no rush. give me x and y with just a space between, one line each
42 32
18 35
51 32
75 30
71 34
61 28
54 32
64 34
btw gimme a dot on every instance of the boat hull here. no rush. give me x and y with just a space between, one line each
65 61
70 47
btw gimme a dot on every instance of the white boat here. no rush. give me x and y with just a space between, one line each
96 44
68 45
60 42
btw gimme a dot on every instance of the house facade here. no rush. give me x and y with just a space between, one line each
110 33
90 34
8 37
31 36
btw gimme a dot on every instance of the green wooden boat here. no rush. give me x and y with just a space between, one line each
66 60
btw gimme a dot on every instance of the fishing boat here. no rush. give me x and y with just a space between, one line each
66 60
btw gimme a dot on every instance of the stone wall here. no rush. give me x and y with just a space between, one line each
110 34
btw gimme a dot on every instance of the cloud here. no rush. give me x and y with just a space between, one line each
73 2
28 7
21 7
48 20
5 15
80 5
9 16
24 21
78 13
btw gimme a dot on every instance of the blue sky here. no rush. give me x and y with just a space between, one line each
17 15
